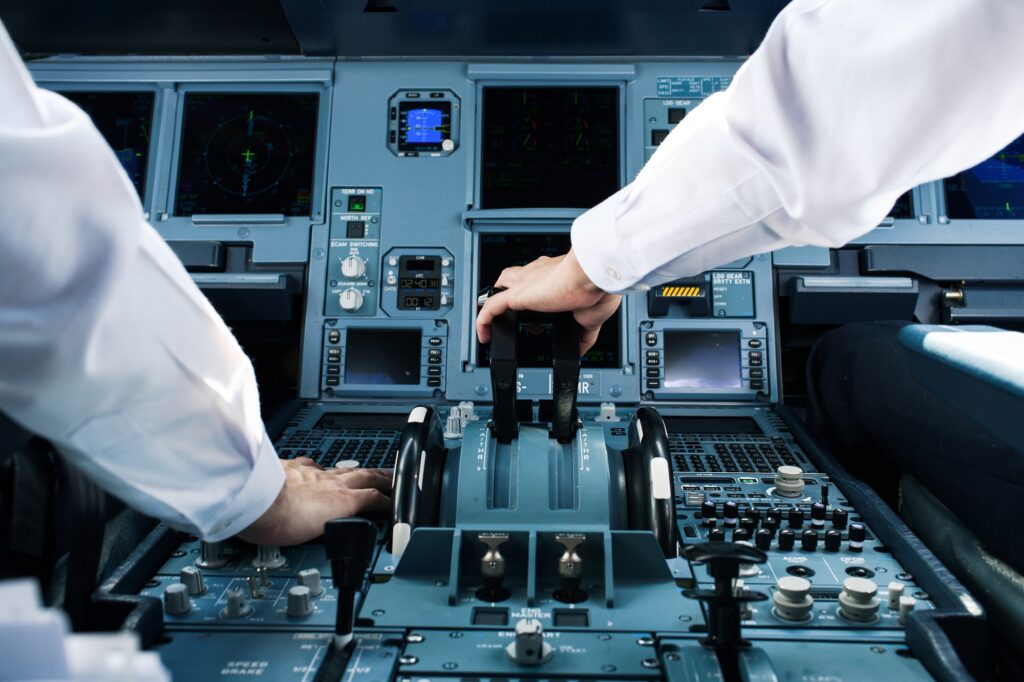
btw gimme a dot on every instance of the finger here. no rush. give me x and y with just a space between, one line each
509 277
496 305
367 478
588 337
305 462
369 501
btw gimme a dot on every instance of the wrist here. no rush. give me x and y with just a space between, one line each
579 279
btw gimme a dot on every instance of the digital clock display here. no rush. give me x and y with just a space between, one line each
419 283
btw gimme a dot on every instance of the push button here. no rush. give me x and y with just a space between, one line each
653 383
757 374
333 370
333 381
754 343
653 372
433 371
334 336
355 229
434 381
435 341
651 339
757 385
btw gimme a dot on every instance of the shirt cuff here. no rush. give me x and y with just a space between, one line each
260 491
598 250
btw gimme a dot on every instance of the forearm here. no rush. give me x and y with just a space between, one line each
846 105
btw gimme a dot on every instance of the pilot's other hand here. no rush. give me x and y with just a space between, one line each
311 496
550 285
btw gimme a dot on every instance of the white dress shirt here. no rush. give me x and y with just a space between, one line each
846 105
107 347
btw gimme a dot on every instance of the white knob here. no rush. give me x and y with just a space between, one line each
895 592
447 145
858 601
529 647
789 481
176 601
192 578
353 267
792 599
238 606
906 605
350 300
310 578
392 279
392 261
444 280
211 555
300 605
347 464
268 556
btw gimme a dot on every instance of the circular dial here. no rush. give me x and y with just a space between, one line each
350 300
353 267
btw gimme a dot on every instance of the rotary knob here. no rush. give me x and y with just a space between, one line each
269 556
858 601
211 555
792 599
176 601
350 300
353 267
310 578
192 578
237 607
300 604
789 481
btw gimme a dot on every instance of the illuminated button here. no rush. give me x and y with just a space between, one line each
756 362
754 343
435 341
357 203
652 354
333 381
651 339
755 355
653 361
434 352
653 383
433 382
392 261
392 279
355 229
334 336
445 262
653 372
434 360
434 371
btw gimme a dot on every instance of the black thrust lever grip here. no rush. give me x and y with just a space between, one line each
505 374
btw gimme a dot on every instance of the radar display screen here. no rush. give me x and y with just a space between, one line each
247 154
125 120
992 190
382 357
702 360
549 147
534 343
423 127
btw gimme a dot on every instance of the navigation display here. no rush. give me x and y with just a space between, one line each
549 147
423 127
992 190
702 360
379 357
500 251
125 119
247 154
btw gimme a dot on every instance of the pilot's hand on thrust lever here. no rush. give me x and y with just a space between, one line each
550 285
311 496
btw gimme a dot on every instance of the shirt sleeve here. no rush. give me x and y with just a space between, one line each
107 347
844 106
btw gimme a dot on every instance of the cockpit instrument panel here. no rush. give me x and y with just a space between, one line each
247 153
549 147
992 190
125 119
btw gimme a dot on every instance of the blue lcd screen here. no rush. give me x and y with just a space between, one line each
992 190
423 127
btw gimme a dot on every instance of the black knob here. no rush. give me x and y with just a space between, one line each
771 523
742 510
775 515
730 513
833 539
710 523
716 535
857 536
824 494
818 513
839 518
755 514
741 535
787 539
796 518
748 523
763 539
707 510
809 540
